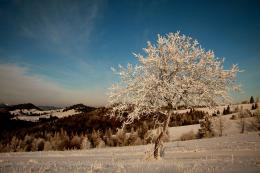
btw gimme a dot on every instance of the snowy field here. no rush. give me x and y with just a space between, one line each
230 127
233 153
60 113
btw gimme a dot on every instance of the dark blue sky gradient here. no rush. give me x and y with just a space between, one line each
74 43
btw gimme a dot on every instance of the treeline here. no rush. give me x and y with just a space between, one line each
86 130
61 140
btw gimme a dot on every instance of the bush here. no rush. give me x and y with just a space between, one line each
255 123
108 138
120 138
188 136
242 123
101 144
47 146
85 143
14 144
40 144
60 140
132 138
75 142
233 117
27 143
206 129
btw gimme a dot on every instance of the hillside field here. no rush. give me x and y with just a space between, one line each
233 153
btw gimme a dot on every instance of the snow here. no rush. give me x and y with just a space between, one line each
177 132
23 111
24 114
220 108
234 153
231 127
61 114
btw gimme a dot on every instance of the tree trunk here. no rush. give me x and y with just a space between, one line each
158 142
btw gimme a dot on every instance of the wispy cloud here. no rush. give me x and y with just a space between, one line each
19 86
64 27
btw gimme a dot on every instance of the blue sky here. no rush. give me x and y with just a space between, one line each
60 52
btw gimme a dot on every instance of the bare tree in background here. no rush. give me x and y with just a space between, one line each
175 72
220 125
242 123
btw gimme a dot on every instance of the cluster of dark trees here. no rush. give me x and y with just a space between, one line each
79 108
89 129
227 110
188 118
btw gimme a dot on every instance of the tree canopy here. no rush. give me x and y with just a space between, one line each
176 71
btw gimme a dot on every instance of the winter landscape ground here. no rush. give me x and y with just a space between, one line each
144 86
233 153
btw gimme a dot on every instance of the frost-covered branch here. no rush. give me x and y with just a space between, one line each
174 72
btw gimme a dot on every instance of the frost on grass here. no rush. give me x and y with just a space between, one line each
237 153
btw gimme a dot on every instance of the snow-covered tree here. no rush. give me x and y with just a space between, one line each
175 72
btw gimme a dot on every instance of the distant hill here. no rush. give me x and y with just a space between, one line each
24 106
80 108
3 105
47 108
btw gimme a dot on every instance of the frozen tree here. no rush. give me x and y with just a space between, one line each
175 72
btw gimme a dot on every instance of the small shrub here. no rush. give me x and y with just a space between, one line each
95 138
206 129
255 123
242 123
75 142
85 143
233 117
101 144
132 138
47 146
120 138
27 143
40 144
138 141
188 136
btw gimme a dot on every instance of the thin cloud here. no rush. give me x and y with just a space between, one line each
61 26
19 86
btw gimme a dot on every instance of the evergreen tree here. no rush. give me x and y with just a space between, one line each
228 110
252 99
224 111
95 138
85 144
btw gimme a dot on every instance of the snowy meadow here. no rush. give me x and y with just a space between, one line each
233 153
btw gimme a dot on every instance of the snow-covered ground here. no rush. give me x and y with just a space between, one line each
220 108
233 152
227 154
26 114
230 127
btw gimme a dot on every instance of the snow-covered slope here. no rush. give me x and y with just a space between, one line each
229 154
230 127
34 115
220 108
